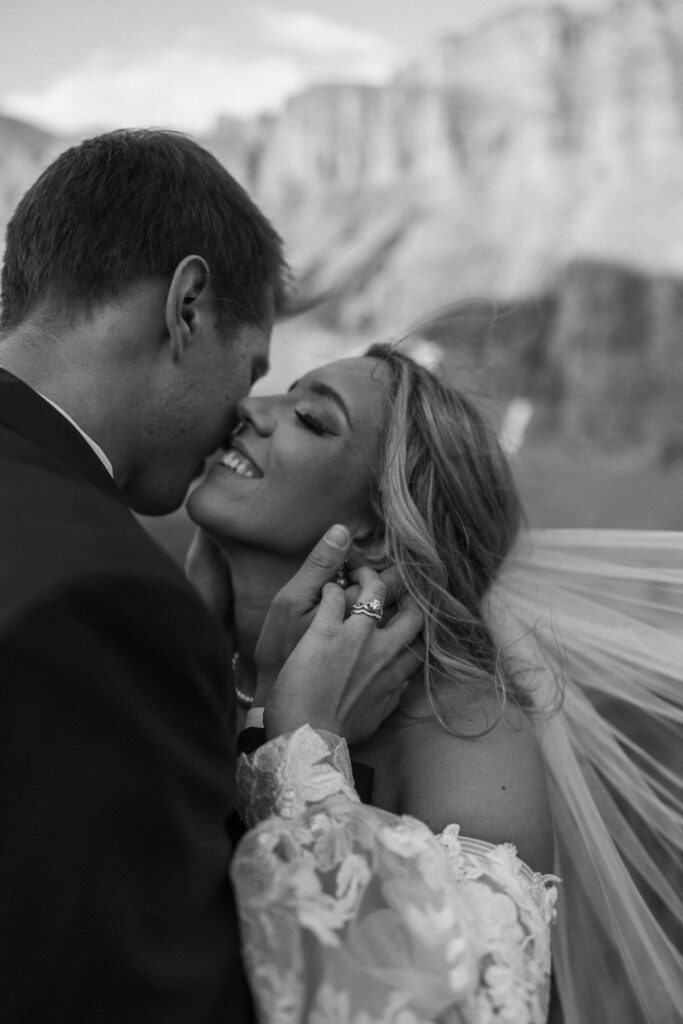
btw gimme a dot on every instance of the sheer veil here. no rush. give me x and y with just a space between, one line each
594 621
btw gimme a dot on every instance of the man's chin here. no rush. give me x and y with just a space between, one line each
163 490
154 507
159 499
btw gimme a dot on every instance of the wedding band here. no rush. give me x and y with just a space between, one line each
372 608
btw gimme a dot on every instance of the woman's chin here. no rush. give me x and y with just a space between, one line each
207 509
198 505
195 483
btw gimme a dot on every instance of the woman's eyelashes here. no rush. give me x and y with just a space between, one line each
312 422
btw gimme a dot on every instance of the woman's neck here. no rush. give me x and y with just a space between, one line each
257 576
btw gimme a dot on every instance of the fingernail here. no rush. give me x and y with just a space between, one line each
337 536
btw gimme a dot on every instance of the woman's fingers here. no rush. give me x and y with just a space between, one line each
303 590
331 610
293 608
370 582
369 605
390 577
351 595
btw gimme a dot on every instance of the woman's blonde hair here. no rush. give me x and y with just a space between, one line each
451 513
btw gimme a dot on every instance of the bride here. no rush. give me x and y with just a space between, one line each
484 731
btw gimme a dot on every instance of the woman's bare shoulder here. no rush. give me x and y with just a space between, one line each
492 785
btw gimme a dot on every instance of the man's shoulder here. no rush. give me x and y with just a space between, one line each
58 530
72 523
138 607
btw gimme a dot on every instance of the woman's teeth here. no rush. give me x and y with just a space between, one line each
239 464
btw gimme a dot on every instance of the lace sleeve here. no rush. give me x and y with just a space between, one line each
355 916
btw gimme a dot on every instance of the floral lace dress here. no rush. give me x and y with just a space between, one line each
352 915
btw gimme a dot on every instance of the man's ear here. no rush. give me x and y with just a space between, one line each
368 548
189 284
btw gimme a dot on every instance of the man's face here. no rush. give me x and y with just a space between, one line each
198 412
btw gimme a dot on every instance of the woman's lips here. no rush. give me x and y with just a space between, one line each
240 463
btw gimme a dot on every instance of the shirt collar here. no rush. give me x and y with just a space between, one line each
95 447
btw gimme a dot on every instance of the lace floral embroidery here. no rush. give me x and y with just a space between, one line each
350 915
290 773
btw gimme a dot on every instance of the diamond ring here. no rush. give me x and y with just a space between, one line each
371 608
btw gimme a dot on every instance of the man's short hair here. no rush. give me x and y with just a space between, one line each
128 206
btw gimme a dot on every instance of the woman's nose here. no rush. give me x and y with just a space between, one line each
258 413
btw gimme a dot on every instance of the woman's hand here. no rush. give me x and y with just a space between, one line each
316 666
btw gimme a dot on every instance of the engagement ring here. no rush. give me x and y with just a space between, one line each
371 608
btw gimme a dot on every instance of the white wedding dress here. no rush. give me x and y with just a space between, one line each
351 915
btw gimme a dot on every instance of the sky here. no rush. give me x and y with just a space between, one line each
75 65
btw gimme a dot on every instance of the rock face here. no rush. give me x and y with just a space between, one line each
600 358
542 136
536 162
616 354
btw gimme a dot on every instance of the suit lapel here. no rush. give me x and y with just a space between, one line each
26 413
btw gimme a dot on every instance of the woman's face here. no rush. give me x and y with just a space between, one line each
300 461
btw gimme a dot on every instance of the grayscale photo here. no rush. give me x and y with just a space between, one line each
341 512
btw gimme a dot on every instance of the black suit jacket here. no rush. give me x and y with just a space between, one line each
116 757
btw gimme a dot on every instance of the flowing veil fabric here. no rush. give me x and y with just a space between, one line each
594 620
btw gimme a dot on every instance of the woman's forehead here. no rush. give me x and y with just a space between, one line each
362 384
367 372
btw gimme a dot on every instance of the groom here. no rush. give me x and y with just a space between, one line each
139 288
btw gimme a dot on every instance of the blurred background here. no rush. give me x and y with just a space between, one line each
506 178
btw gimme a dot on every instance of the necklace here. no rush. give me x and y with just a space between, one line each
245 699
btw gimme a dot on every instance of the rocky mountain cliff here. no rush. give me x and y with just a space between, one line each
536 162
600 357
541 136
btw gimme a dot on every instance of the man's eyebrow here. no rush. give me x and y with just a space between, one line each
318 387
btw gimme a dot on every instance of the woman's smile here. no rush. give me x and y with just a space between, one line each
314 450
239 462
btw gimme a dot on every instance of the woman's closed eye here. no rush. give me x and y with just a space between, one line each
312 422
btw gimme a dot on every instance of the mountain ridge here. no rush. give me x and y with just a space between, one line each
535 158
